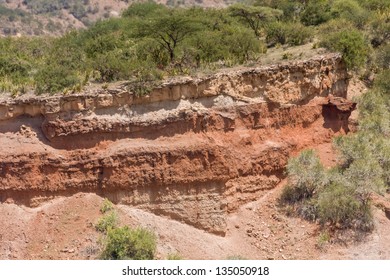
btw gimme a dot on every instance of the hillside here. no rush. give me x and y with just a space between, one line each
55 17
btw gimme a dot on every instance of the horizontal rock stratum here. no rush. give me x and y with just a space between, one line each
193 149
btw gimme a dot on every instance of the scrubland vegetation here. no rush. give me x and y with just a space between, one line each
340 197
150 41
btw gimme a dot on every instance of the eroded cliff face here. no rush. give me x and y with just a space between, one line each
193 150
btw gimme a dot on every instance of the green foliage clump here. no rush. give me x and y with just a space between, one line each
174 257
351 11
151 41
306 177
339 205
254 16
107 222
123 243
382 59
327 196
129 244
316 12
294 34
341 196
107 206
351 44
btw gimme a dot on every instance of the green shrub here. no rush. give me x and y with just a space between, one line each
323 239
351 44
382 60
378 5
298 34
288 33
107 222
174 257
129 244
277 33
382 83
335 25
55 78
107 206
316 12
338 205
306 176
351 11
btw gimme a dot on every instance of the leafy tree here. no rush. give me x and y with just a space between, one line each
291 8
288 33
241 43
316 12
169 30
255 17
350 10
380 29
375 5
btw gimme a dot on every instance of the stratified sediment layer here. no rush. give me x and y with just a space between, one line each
193 149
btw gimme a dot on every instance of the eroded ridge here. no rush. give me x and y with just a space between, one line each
193 150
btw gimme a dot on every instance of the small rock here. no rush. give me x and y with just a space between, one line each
9 201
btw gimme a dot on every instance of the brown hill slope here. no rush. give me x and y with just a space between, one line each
37 17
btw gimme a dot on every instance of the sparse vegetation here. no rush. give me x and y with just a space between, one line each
351 44
123 243
107 206
324 195
174 257
135 47
107 222
323 239
340 197
129 244
143 46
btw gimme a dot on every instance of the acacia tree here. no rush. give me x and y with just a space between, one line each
169 30
255 17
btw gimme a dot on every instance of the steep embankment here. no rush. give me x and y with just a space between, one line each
193 149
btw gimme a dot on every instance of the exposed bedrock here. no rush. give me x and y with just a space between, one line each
193 150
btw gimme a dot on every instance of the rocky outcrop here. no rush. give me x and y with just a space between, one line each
193 150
